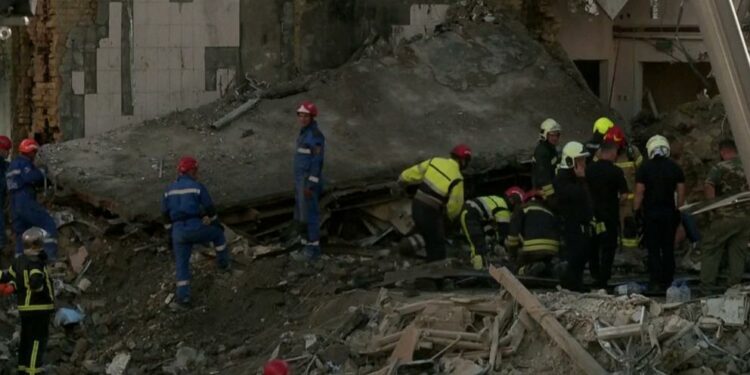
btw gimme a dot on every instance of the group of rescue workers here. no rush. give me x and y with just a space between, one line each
585 202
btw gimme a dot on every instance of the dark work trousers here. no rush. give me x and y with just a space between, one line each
578 249
605 246
430 223
33 344
659 231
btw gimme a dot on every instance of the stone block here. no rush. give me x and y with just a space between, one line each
78 82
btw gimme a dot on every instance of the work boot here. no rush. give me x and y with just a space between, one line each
312 253
179 306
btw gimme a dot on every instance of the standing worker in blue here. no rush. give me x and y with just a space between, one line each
22 178
191 217
5 146
308 178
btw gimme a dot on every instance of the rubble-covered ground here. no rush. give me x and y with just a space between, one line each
323 320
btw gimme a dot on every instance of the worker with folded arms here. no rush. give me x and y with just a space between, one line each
485 221
658 180
22 178
546 158
308 180
440 195
533 237
189 212
36 299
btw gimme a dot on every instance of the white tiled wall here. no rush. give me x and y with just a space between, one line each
168 62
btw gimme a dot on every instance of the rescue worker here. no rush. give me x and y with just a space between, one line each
533 238
608 189
36 299
485 220
5 146
728 232
22 178
574 205
546 157
440 194
191 217
601 126
629 158
308 179
657 181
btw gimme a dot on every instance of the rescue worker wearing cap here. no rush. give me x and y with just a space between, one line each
575 209
533 237
22 178
546 157
629 158
658 180
608 189
485 220
440 194
308 178
728 232
190 215
36 299
601 126
5 146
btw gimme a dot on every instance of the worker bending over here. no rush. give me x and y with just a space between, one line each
485 221
440 194
533 238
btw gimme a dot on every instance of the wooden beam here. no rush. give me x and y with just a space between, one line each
404 350
610 333
547 320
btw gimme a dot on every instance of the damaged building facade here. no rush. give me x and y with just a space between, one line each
88 66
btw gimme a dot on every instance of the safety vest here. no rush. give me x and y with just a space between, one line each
440 183
535 229
33 285
492 208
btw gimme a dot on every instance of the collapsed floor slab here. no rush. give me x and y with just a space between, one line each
488 85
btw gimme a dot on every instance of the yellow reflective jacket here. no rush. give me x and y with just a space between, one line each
441 179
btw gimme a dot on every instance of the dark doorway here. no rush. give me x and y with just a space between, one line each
590 70
672 84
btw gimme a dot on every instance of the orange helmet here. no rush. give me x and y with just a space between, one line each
28 146
615 135
187 164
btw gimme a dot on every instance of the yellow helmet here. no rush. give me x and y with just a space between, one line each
657 145
602 125
571 152
548 126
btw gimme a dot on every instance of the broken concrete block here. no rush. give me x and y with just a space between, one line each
78 259
119 364
83 284
731 308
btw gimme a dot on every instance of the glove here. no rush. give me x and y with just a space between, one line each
477 262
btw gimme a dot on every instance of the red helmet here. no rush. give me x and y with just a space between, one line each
28 146
308 107
187 164
615 135
462 152
276 367
517 191
5 143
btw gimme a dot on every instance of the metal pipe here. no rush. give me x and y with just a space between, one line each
731 67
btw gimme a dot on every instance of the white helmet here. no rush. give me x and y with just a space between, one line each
571 152
657 146
548 126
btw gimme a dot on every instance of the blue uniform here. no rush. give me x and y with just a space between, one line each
3 194
185 203
308 174
25 211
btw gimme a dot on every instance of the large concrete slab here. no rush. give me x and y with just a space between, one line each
486 85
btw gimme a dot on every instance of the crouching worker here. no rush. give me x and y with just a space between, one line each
534 239
36 299
485 221
191 217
